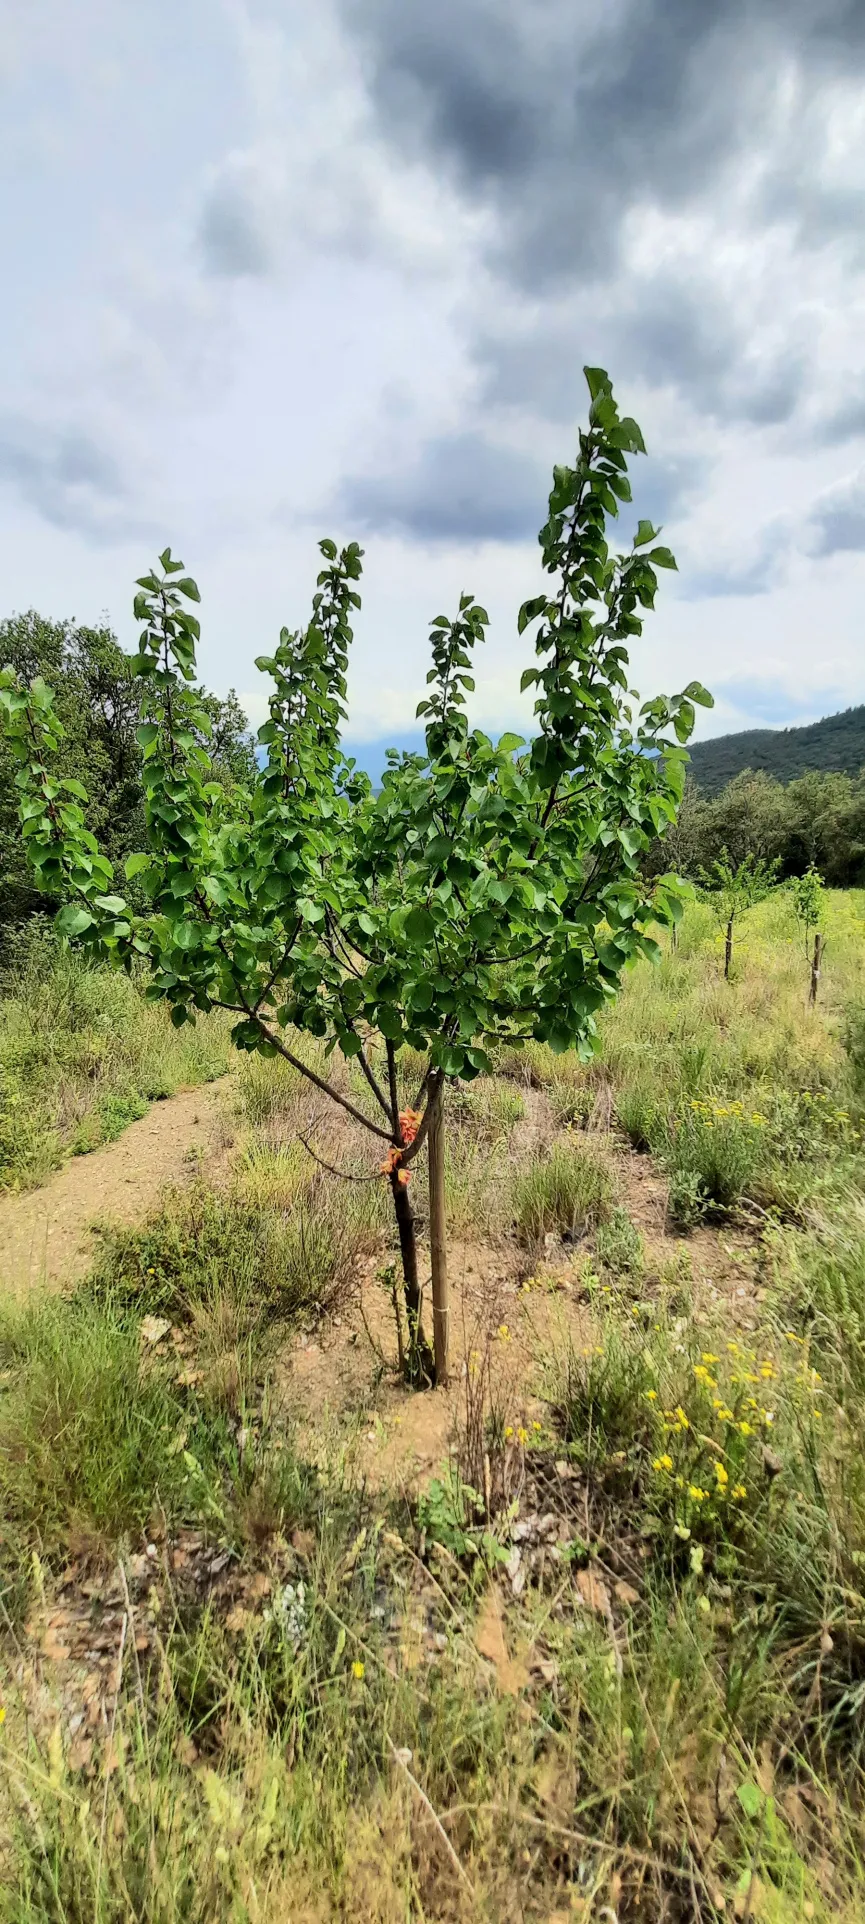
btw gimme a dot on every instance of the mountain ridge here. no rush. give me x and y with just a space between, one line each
835 743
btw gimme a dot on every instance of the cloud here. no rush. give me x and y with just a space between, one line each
230 230
565 118
463 487
770 701
837 520
659 169
66 476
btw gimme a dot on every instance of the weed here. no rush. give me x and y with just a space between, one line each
619 1245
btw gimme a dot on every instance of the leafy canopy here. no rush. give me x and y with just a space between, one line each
491 891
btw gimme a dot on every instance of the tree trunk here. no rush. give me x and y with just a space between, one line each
420 1357
728 950
438 1231
815 967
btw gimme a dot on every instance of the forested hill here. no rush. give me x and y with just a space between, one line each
837 742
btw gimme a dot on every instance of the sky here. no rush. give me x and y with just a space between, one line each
274 271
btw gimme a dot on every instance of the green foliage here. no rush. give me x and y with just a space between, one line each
481 896
564 1195
808 897
818 819
97 701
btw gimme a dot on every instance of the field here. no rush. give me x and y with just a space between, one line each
581 1637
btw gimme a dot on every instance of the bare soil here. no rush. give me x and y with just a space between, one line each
46 1235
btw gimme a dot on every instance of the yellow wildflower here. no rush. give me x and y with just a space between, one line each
358 1670
662 1463
651 1396
509 1432
707 1357
522 1435
739 1492
746 1429
504 1333
697 1495
721 1474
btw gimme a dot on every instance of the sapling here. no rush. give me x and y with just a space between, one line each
731 890
490 894
809 907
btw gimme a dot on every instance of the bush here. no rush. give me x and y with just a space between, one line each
208 1244
566 1195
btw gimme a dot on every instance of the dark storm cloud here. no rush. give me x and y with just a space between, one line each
462 488
568 122
65 475
564 117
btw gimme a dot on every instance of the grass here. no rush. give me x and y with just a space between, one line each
81 1055
563 1195
663 1719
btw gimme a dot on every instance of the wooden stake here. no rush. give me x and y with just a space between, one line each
815 967
438 1233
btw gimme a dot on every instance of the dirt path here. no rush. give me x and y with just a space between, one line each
45 1235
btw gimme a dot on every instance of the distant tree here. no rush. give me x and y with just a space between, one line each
731 890
491 893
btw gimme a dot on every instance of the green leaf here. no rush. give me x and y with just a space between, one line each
388 1021
663 558
645 533
135 864
419 928
597 381
696 692
113 904
73 921
751 1798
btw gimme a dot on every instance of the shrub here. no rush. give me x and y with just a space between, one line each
566 1194
208 1243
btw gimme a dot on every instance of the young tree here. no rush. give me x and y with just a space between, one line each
731 890
809 907
491 892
